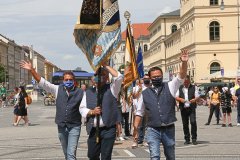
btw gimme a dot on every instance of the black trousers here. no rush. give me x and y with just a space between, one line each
213 108
125 123
107 137
189 114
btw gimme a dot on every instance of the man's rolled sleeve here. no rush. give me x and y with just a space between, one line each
83 107
140 108
175 84
49 87
116 84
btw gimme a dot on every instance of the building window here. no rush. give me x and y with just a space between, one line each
213 2
174 28
145 48
214 67
214 31
123 48
159 28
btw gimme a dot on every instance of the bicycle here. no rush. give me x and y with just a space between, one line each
49 101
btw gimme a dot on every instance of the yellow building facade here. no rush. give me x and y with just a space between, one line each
209 33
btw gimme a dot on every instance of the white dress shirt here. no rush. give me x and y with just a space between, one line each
49 87
173 87
185 92
115 87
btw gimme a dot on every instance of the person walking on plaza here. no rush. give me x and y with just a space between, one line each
214 105
142 126
3 95
125 109
159 103
187 96
226 98
237 99
108 114
21 112
68 118
15 106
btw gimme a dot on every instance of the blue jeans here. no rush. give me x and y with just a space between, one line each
69 137
164 135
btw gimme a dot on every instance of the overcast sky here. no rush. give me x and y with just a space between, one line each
48 25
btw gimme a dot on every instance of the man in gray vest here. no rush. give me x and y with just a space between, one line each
159 103
187 96
68 118
108 114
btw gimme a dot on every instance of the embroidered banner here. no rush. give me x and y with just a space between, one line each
100 36
130 70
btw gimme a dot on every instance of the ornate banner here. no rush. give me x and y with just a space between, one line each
97 32
130 70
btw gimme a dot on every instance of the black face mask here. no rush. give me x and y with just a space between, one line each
157 82
146 81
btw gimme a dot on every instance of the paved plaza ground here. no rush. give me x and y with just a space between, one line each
39 141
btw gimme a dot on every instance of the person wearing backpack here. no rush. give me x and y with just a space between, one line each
214 105
226 98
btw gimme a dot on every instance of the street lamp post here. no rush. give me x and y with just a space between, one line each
222 8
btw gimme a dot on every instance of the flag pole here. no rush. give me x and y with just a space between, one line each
99 102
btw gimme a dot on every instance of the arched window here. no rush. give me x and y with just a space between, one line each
214 67
145 48
174 28
214 31
213 2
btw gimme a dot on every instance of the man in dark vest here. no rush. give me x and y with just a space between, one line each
68 118
159 103
108 114
187 96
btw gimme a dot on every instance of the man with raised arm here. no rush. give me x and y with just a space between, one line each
68 118
158 101
108 113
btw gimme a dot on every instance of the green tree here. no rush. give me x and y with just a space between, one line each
2 73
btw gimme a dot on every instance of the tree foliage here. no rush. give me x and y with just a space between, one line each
2 73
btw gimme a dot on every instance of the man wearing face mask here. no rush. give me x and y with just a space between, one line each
108 114
68 118
187 96
141 138
159 104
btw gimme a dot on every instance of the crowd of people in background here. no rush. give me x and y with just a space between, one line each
128 120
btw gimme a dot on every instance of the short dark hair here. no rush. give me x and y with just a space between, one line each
23 89
154 69
69 73
187 77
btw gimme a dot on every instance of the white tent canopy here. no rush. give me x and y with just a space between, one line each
228 74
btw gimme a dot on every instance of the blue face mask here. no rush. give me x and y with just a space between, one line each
68 84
